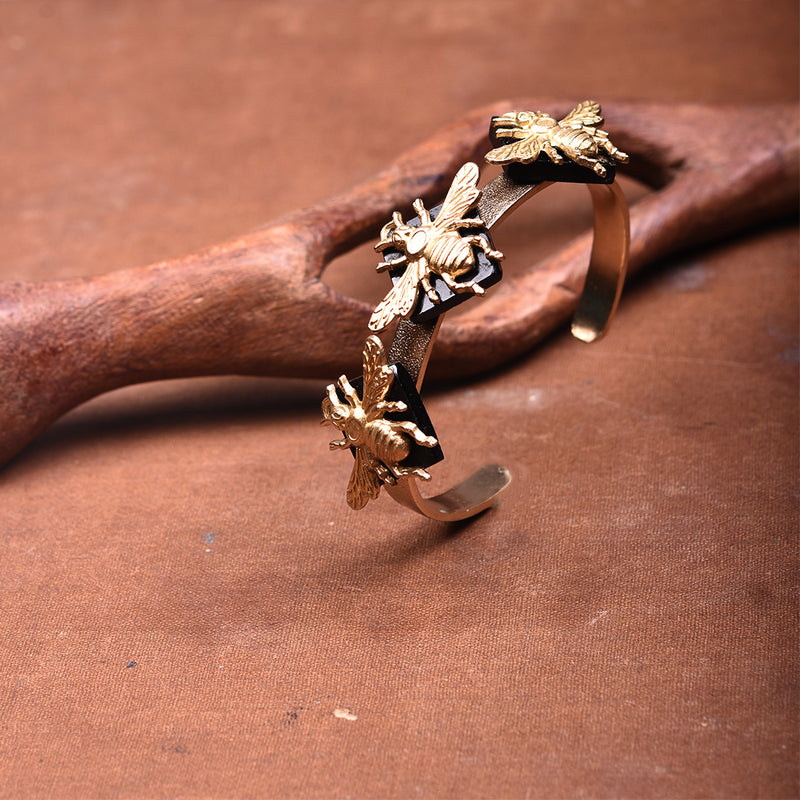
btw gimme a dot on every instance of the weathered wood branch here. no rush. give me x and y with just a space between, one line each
257 305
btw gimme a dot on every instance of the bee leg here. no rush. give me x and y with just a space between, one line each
457 286
397 262
334 401
614 152
415 433
429 290
509 133
486 247
422 212
591 163
386 474
555 156
402 472
391 406
349 392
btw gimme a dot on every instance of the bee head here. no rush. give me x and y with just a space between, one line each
387 231
401 234
538 119
334 411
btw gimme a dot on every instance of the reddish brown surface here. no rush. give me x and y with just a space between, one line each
186 599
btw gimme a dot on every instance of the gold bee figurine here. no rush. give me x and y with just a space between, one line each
577 136
379 444
434 247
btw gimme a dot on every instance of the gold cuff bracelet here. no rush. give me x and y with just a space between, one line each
445 256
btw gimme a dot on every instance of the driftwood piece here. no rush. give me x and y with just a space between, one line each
257 306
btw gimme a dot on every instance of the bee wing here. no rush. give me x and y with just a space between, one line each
585 113
525 151
377 376
400 299
461 196
364 484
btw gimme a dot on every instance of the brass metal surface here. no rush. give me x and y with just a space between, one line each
440 247
413 343
502 195
412 346
610 246
607 264
465 500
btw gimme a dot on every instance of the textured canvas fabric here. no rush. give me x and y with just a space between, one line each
188 607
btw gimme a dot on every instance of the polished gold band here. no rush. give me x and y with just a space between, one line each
445 256
413 342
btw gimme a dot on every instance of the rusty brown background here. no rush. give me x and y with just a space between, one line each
185 598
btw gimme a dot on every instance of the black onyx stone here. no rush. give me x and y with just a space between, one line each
487 272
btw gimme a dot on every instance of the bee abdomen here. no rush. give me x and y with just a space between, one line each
388 445
578 140
451 254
